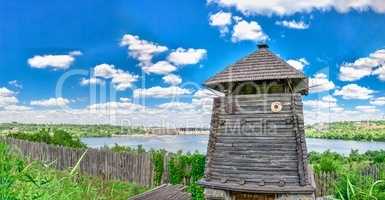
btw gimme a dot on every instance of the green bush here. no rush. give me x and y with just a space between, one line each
55 137
158 160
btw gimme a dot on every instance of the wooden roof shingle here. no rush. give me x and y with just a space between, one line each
165 192
257 66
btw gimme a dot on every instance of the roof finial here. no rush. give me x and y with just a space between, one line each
263 46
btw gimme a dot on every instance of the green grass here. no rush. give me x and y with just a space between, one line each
21 180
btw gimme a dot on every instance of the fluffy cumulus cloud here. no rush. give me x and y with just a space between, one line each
172 79
299 64
379 101
121 80
362 67
354 91
161 92
293 24
289 7
183 56
252 31
161 67
221 20
142 50
51 102
320 83
367 109
55 62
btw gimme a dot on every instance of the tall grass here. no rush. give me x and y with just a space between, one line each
355 187
21 180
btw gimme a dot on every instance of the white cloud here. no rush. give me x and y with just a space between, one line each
186 56
17 108
293 24
320 83
51 102
5 92
141 50
161 92
55 62
122 80
379 101
7 97
289 7
244 30
176 106
16 84
298 64
221 20
325 102
161 67
367 109
75 53
104 70
124 99
8 100
91 81
354 91
363 67
116 106
172 79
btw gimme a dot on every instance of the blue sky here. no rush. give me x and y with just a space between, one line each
131 43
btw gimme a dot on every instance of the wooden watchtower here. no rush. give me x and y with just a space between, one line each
257 147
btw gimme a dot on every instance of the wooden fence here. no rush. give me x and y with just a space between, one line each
132 167
325 181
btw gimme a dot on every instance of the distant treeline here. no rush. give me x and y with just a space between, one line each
361 130
358 130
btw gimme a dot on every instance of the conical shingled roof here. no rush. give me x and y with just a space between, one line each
259 65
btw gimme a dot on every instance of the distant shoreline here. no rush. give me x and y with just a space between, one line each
165 133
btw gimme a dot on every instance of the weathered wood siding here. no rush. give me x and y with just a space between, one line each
250 144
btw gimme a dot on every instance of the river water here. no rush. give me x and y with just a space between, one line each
192 143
